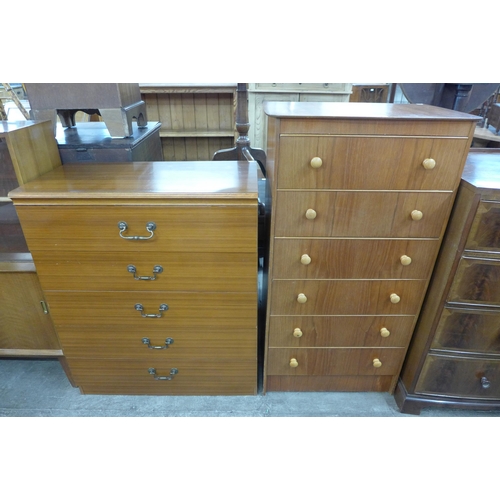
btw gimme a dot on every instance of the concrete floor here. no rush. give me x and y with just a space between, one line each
39 388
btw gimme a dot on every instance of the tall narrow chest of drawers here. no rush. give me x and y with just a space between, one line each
454 357
360 198
150 273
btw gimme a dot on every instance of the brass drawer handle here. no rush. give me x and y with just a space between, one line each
150 226
173 373
140 308
485 383
156 270
44 307
168 341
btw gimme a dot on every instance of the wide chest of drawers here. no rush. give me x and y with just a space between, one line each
454 357
360 196
150 273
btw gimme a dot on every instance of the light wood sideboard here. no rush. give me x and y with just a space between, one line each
454 358
259 93
360 195
27 149
150 273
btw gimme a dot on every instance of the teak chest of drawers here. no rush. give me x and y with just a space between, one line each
454 357
150 273
360 198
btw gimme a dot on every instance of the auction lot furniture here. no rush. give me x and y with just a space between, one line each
150 273
27 149
454 357
360 198
259 93
197 119
117 103
91 142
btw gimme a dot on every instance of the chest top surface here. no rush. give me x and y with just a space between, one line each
482 169
360 110
153 180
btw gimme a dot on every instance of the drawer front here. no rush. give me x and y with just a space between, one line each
393 163
194 377
340 331
217 229
460 377
335 361
361 214
485 230
157 344
468 331
186 271
116 311
353 258
380 128
341 297
477 281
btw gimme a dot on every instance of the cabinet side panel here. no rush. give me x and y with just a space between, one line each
448 258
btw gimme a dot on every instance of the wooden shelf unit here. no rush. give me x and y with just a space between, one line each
196 119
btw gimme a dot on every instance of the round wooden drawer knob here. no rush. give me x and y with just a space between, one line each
405 260
395 298
316 162
384 332
294 363
301 298
311 214
305 259
377 363
416 215
297 333
429 163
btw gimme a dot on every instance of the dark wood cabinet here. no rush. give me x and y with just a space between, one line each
454 357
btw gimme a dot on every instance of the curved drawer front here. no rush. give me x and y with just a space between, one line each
477 281
335 361
484 234
353 258
468 331
361 214
380 163
178 228
340 331
346 297
116 311
460 377
194 376
148 271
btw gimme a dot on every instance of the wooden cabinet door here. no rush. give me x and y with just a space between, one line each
23 322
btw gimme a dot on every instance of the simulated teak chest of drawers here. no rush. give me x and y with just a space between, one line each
149 270
360 198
